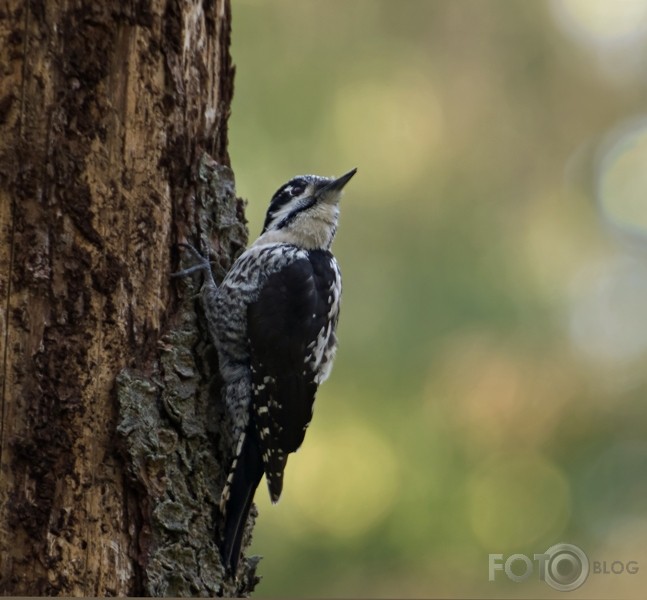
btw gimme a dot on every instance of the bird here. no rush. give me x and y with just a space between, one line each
273 322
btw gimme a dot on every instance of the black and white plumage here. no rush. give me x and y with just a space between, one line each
273 322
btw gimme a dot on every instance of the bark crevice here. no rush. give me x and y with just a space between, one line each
113 147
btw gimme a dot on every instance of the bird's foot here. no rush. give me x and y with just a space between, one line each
203 263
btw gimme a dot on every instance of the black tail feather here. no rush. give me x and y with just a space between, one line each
247 476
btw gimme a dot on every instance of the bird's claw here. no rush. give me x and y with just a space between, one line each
203 262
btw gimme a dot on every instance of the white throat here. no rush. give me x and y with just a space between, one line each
313 229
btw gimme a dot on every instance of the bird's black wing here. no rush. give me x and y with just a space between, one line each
283 326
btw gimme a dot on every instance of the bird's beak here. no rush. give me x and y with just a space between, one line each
332 189
340 182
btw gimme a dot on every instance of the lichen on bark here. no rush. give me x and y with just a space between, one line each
109 114
172 423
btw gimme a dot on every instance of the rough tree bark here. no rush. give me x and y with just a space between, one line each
113 147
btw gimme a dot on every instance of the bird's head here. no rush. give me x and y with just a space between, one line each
305 211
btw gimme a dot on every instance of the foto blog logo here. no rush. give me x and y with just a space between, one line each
564 567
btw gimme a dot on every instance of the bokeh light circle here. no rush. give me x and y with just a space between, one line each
600 22
349 481
621 178
516 499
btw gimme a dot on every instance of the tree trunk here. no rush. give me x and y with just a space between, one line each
113 147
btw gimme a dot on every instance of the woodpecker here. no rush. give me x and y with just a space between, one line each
273 320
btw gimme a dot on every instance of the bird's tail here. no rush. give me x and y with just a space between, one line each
236 502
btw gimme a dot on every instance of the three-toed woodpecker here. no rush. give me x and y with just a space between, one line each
273 322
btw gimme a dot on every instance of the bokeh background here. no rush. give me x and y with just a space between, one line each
490 390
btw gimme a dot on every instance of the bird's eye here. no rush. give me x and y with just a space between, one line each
297 190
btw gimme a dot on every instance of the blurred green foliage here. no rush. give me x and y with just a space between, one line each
486 397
